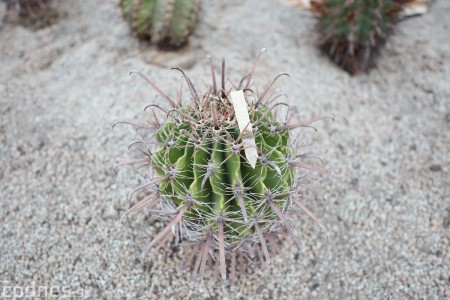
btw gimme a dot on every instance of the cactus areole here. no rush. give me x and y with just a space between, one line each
200 182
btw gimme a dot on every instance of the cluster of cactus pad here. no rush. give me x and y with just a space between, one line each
167 23
352 31
200 182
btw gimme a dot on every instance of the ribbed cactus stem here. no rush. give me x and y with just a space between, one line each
166 23
203 179
353 30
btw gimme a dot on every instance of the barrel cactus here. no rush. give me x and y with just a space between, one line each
167 23
352 31
202 183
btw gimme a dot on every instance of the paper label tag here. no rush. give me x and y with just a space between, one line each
243 120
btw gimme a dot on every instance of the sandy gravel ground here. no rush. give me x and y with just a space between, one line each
61 88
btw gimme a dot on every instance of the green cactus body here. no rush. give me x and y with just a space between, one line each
353 31
216 170
167 23
221 205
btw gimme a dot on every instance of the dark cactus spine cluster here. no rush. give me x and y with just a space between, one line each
166 23
200 181
352 31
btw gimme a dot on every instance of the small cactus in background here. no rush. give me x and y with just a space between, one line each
201 183
167 23
30 12
352 31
